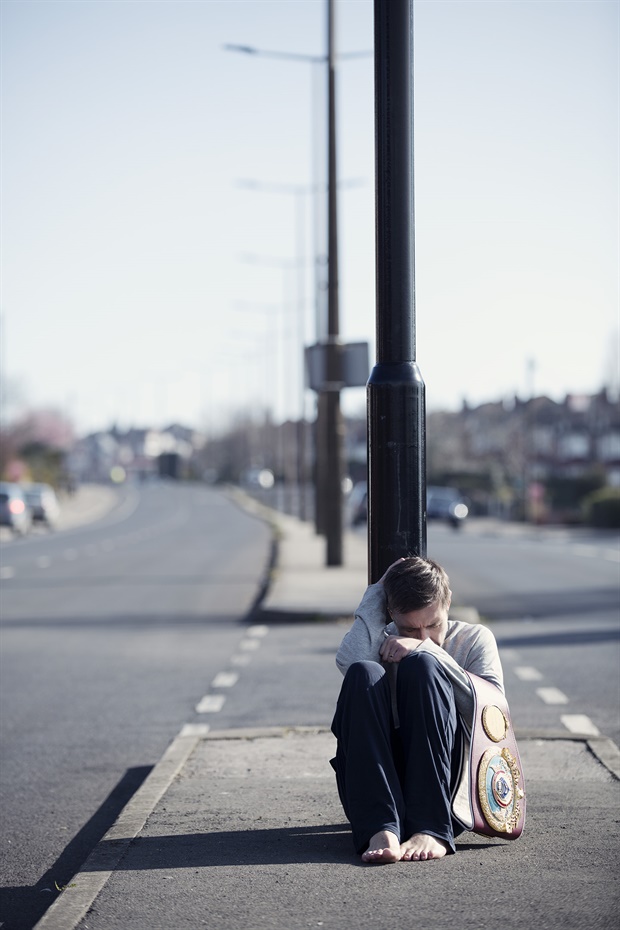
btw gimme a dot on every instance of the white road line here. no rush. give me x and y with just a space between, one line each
6 572
70 554
210 704
552 695
240 660
527 673
44 561
248 645
225 680
611 555
258 630
579 723
194 729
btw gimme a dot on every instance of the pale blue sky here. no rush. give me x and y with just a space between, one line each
126 128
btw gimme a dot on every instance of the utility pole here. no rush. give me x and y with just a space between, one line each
395 391
329 403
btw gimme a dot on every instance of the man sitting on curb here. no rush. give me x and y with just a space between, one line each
404 715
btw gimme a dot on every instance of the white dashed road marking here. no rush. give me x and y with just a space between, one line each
258 630
44 561
70 554
194 729
213 703
527 673
225 680
579 723
210 704
552 695
6 572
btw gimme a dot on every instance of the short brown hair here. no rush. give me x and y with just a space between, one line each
415 583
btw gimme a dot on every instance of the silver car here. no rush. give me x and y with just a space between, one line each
42 500
14 510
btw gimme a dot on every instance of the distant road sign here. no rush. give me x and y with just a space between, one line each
354 366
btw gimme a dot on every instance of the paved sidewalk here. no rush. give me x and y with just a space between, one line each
242 829
90 502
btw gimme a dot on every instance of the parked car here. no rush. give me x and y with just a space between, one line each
441 504
42 500
445 504
14 510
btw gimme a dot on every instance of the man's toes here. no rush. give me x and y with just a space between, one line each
372 854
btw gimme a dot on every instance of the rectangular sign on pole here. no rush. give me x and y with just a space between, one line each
354 365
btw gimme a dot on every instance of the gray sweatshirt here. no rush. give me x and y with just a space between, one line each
467 646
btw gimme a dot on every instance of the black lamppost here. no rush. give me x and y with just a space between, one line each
395 393
330 396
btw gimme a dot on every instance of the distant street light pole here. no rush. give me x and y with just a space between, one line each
299 192
395 393
269 369
330 396
286 266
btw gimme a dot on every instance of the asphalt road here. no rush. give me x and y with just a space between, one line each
110 635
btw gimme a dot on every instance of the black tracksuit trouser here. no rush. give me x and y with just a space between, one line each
397 778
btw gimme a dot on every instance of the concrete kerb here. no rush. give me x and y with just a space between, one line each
74 902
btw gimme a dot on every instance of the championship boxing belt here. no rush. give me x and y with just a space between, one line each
497 788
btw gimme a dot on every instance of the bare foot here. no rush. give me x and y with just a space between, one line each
422 846
383 848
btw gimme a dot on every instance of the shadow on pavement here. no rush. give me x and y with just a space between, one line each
280 846
22 907
561 638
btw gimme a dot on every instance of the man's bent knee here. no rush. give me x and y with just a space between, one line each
421 664
363 673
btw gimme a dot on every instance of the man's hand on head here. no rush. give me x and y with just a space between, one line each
384 576
396 648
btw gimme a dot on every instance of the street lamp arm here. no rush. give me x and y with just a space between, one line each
264 53
293 56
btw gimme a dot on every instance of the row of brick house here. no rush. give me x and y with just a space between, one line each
536 458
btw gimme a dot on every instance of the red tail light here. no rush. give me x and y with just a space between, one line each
17 507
